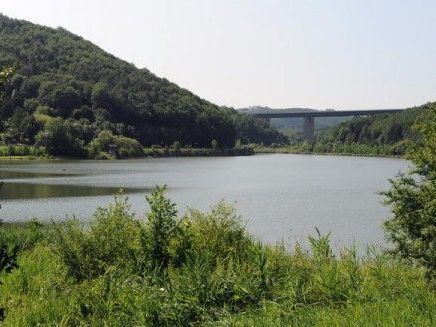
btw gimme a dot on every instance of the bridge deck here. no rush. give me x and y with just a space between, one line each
324 113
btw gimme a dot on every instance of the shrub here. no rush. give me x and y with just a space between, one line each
412 229
128 147
220 232
214 144
103 156
118 146
160 228
113 239
176 146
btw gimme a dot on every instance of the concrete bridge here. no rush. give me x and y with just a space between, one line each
309 116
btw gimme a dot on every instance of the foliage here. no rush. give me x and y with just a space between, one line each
61 138
62 76
119 146
200 269
160 228
412 228
252 130
14 241
388 134
374 129
245 150
214 144
5 76
21 151
112 239
378 135
177 146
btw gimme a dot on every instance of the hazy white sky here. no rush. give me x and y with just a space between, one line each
279 53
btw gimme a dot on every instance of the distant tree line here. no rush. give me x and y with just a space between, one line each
388 134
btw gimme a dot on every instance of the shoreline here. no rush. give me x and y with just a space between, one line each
339 154
199 154
151 153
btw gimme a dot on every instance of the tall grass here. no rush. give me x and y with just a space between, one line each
199 269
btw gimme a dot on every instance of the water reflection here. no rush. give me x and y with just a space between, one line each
21 191
12 174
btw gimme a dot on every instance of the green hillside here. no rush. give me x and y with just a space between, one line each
377 135
66 82
382 134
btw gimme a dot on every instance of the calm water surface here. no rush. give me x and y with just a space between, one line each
282 197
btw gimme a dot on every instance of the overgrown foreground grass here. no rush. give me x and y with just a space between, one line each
202 269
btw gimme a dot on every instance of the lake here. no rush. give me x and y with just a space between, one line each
282 197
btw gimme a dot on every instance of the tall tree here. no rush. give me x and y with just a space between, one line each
5 75
412 229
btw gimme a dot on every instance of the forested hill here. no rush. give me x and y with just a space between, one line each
380 134
62 75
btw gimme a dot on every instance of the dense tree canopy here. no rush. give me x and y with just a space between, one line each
413 198
392 130
5 76
63 76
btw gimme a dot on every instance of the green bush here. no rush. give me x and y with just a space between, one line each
412 229
113 239
177 146
103 156
61 138
21 150
117 146
14 241
214 144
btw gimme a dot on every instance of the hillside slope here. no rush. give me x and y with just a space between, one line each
63 75
380 134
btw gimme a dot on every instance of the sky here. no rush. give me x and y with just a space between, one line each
349 54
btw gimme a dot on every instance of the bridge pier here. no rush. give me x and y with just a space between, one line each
309 128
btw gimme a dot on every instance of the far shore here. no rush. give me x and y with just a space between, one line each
294 150
186 155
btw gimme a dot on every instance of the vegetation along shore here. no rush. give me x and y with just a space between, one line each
62 96
204 268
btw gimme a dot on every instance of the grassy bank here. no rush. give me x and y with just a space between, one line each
202 269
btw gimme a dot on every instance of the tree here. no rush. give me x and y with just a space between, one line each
61 138
176 146
214 144
5 75
118 146
412 229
